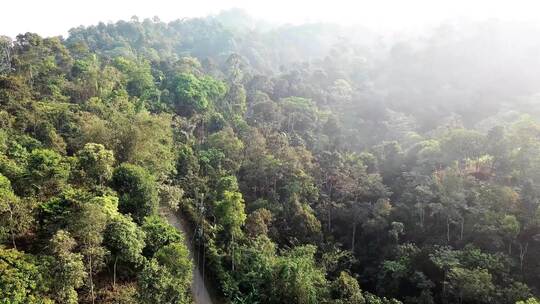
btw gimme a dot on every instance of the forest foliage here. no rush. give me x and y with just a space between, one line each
312 168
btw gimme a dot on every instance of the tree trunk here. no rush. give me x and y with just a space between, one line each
421 214
13 240
114 272
329 219
11 228
461 232
203 261
91 279
447 229
522 253
232 251
31 79
329 206
353 237
444 287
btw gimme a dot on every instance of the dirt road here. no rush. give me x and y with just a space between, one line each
198 287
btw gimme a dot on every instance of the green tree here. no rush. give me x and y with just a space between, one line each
167 278
460 144
137 190
15 214
258 221
158 234
140 81
297 279
87 226
194 94
125 241
510 228
175 257
230 145
148 142
346 290
445 259
231 214
96 163
68 271
46 172
471 285
24 279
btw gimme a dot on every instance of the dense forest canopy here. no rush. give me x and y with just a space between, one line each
314 163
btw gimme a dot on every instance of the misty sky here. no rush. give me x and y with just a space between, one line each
55 17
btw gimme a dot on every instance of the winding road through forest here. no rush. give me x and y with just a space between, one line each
201 294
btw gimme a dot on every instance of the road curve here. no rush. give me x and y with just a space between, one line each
198 286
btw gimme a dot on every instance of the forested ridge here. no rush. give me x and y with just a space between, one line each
316 163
